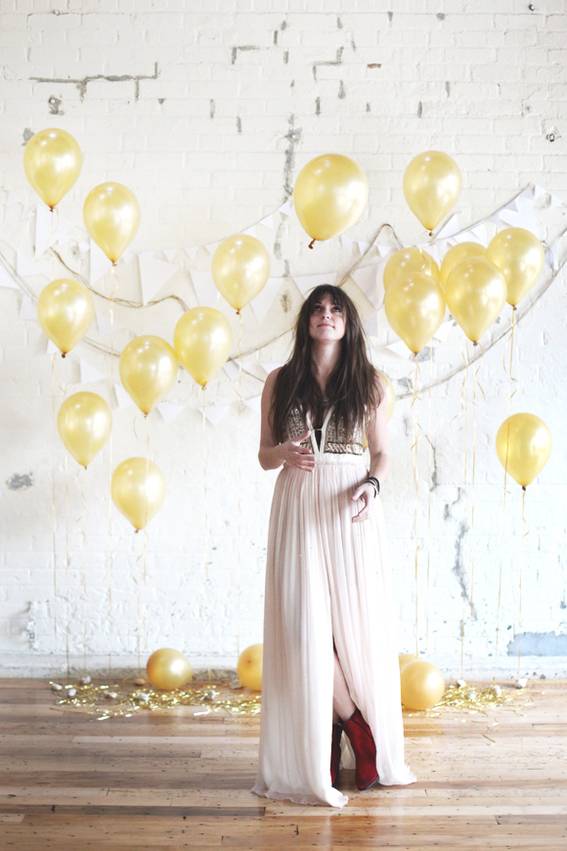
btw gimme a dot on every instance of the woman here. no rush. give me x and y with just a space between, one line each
330 660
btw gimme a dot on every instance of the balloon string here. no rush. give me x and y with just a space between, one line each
465 413
414 448
523 551
109 549
108 541
511 361
205 444
238 348
434 482
61 388
53 508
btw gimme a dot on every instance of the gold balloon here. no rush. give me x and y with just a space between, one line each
407 261
168 669
520 256
523 446
249 667
65 310
138 490
202 341
475 292
422 685
52 163
330 194
415 310
84 422
148 370
240 268
457 254
432 182
112 215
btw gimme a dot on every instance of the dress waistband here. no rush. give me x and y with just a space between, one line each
341 458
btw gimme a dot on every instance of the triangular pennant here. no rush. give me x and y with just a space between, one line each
7 280
204 286
46 228
169 411
230 368
89 373
215 412
521 218
28 309
305 283
99 264
123 398
154 274
367 279
262 301
370 324
286 208
253 366
449 227
254 403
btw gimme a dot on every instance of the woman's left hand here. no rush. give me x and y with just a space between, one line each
365 491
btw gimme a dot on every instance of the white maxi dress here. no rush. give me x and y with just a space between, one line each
327 579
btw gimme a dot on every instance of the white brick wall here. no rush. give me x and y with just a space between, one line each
204 141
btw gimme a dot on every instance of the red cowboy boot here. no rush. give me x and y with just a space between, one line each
364 748
336 751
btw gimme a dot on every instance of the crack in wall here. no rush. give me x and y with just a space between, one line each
293 138
329 62
244 48
83 82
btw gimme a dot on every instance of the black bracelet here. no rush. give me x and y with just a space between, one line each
374 481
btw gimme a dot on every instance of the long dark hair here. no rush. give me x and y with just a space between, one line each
352 386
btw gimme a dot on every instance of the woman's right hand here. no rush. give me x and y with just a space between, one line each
295 455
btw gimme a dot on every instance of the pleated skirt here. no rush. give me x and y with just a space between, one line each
326 578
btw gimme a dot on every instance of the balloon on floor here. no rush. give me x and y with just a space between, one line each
168 668
422 684
249 667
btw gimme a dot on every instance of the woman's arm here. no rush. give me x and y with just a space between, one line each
270 454
377 435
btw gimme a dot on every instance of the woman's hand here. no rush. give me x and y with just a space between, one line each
365 491
295 455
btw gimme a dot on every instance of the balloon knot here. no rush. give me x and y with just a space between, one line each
524 488
311 244
63 354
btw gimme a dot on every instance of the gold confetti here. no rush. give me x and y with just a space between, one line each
126 698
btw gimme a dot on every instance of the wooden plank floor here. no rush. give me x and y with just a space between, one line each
168 780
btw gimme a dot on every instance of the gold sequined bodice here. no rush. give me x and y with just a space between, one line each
332 434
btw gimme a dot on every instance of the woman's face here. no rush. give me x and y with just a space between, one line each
327 320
